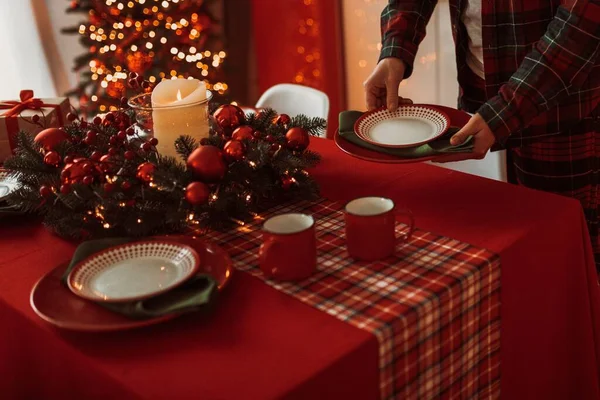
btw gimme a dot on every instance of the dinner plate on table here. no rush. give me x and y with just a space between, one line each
407 126
457 118
133 271
53 301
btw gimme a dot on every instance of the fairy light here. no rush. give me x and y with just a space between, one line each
138 41
139 221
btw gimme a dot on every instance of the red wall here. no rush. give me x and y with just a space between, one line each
300 41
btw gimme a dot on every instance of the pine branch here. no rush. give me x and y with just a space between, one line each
185 145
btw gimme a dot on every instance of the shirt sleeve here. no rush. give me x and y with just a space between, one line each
559 63
403 24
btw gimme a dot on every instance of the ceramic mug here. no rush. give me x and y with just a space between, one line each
371 228
289 249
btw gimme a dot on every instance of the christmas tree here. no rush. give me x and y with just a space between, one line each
157 39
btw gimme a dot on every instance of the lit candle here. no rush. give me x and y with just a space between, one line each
179 107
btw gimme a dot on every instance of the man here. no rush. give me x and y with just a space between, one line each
529 70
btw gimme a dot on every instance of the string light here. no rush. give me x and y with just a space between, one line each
140 41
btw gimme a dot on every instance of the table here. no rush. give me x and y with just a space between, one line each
263 344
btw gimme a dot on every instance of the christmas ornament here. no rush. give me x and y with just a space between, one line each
197 193
72 173
71 117
88 180
206 163
52 158
50 138
234 150
228 117
95 156
287 182
297 139
35 119
126 185
122 121
283 119
146 146
270 138
65 188
45 191
97 120
145 172
129 155
244 132
109 187
115 89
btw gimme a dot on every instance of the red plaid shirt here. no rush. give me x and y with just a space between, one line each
542 85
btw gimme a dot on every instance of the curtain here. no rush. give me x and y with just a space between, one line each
23 63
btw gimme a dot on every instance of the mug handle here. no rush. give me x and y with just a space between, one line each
265 250
411 227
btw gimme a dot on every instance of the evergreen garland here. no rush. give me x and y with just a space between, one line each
119 202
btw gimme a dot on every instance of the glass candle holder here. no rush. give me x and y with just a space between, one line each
167 123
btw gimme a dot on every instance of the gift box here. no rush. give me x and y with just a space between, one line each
17 115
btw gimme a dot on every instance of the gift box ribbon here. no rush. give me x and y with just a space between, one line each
15 108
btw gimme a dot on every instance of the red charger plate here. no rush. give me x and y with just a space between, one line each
457 119
53 302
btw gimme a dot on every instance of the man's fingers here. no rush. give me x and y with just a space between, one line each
469 129
404 100
371 98
391 88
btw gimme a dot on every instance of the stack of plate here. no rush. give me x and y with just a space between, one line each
410 126
123 274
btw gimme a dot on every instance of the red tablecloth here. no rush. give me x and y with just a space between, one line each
264 344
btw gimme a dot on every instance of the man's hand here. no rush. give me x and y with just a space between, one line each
483 140
381 88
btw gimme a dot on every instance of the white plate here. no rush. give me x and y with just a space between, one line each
408 126
7 184
133 271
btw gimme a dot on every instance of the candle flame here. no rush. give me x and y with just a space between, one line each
178 94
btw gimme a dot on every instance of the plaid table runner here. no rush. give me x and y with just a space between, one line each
434 307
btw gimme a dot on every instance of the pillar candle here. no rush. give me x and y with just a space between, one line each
179 107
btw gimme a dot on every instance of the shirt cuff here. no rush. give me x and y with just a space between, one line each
402 49
501 118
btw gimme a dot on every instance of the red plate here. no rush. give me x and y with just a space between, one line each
55 303
457 119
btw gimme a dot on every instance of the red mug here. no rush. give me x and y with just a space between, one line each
371 228
289 249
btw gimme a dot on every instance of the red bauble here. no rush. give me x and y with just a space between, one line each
145 172
88 180
287 182
228 117
45 191
129 155
50 138
71 117
126 185
109 187
206 162
73 173
244 132
65 188
297 139
52 158
197 193
283 119
234 150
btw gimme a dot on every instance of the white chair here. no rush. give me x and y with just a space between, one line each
295 99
